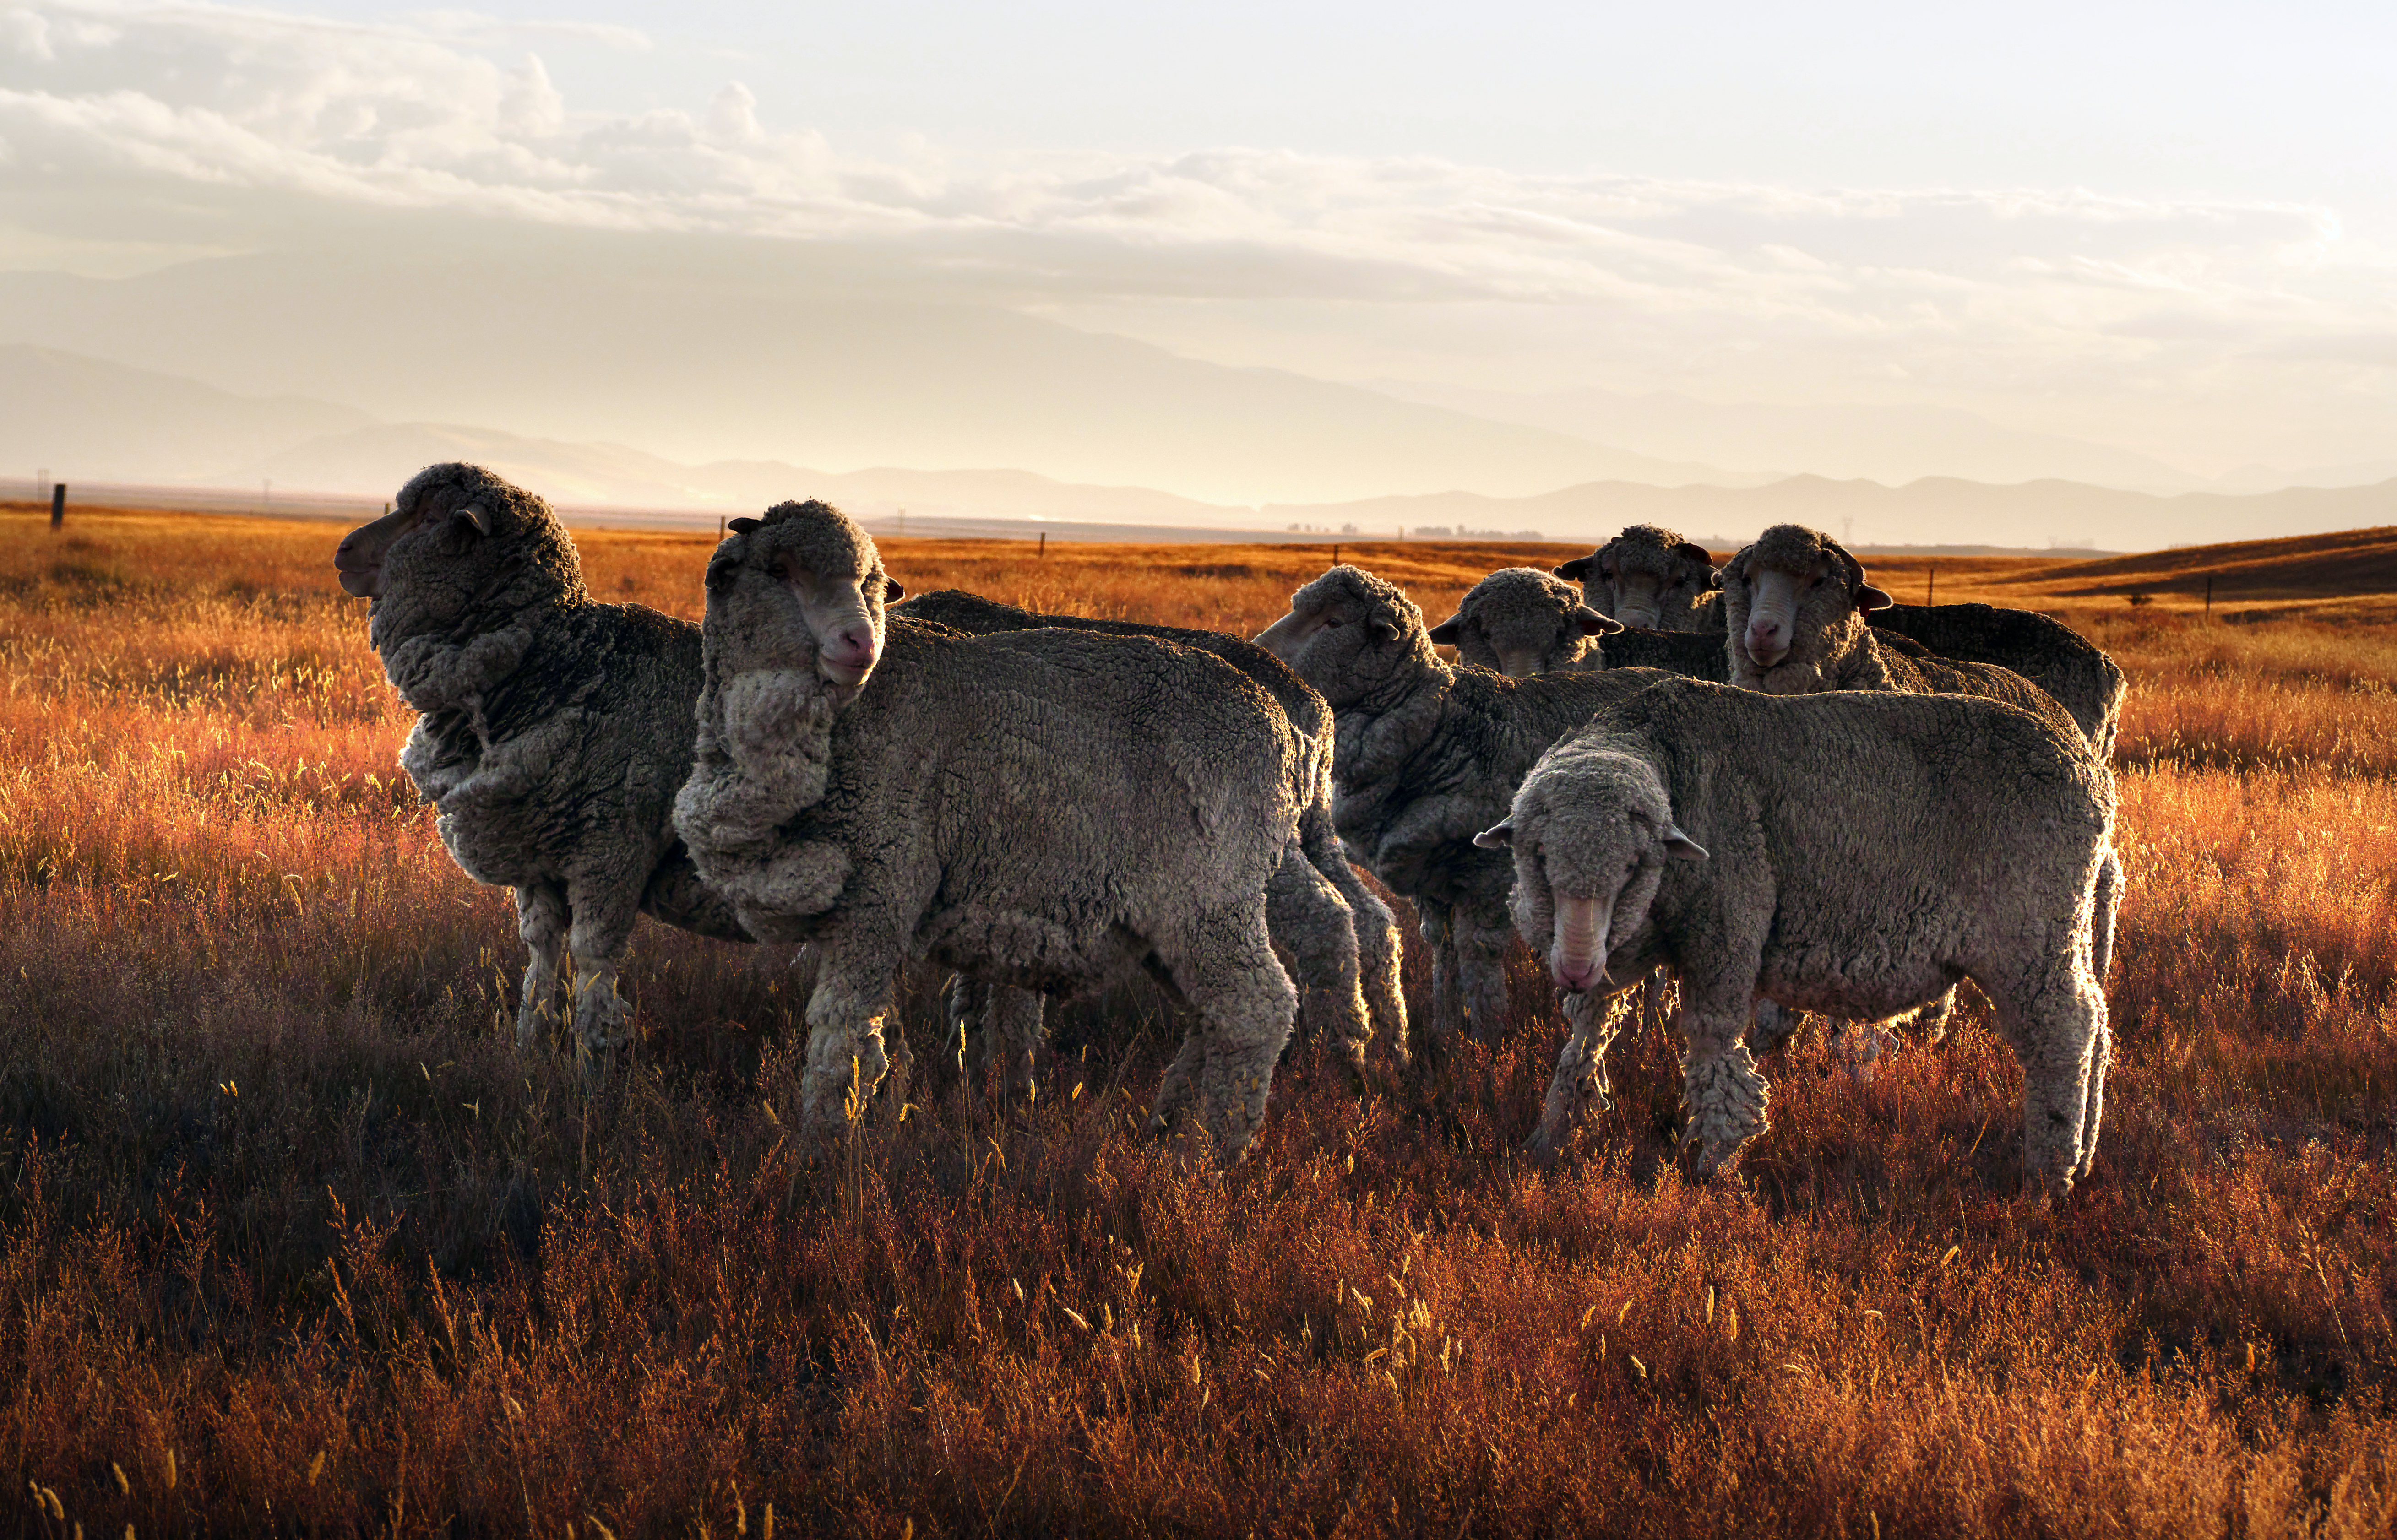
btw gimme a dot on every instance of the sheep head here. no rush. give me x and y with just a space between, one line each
1591 830
1350 635
457 574
1522 622
1646 576
800 591
1794 603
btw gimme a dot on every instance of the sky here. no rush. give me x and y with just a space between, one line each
2168 228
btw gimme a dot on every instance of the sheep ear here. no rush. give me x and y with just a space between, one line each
1869 598
1692 551
1498 837
1445 632
1592 623
1383 631
892 589
1575 570
476 517
742 526
1681 847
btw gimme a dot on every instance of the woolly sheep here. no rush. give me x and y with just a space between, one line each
1650 579
553 729
1042 809
1339 936
1521 620
1426 756
1852 853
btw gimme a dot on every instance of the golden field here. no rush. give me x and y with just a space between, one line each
292 1240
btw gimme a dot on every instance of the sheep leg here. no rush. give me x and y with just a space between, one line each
542 921
1931 1022
847 1058
1579 1087
1774 1025
1016 1027
1446 1008
1312 924
1722 1095
2108 898
1482 971
2055 1018
601 930
1180 1086
1225 967
1380 957
967 999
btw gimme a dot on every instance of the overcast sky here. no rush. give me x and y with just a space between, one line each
2167 227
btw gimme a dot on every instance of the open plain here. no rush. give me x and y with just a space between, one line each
292 1240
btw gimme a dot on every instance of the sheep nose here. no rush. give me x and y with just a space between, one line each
1766 640
1579 976
850 651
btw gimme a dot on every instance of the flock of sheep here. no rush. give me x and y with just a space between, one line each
1754 792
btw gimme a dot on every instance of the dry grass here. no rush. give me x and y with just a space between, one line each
292 1240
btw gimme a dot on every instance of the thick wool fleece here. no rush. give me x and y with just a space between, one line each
1337 934
1864 852
553 735
1043 809
1428 756
1650 579
2070 667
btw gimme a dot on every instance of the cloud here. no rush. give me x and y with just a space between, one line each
2047 290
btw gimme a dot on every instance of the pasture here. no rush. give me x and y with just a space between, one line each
293 1241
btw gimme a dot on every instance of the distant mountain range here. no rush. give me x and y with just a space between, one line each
84 419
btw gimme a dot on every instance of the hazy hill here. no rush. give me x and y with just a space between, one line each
1842 441
754 358
2314 567
79 417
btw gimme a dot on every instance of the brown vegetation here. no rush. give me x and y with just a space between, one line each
291 1239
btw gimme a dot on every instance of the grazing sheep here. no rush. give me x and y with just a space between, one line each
1521 620
1339 935
1426 756
2049 653
554 730
1651 579
1043 809
1855 854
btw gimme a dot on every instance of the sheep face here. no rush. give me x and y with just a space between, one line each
1591 830
458 539
1522 622
1350 635
1793 602
1646 576
800 594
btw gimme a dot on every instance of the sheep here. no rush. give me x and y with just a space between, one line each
2049 653
1651 579
1043 809
1852 853
1426 756
1338 933
1794 604
1521 620
553 729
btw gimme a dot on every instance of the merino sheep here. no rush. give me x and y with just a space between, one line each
1855 854
1426 756
1338 935
2049 653
553 729
1042 809
1521 620
1651 579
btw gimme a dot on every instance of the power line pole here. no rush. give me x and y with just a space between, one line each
58 506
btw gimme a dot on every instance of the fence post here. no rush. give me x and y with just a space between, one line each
58 504
1335 555
1044 543
2209 596
1930 584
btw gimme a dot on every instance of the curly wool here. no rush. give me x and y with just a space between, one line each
1651 579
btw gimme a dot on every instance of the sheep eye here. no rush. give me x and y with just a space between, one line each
1329 621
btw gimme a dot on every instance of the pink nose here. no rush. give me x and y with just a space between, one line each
851 646
1765 639
1581 976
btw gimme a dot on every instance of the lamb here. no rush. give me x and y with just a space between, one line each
1651 579
1521 620
2049 653
1855 854
1426 756
1042 809
1338 935
553 729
